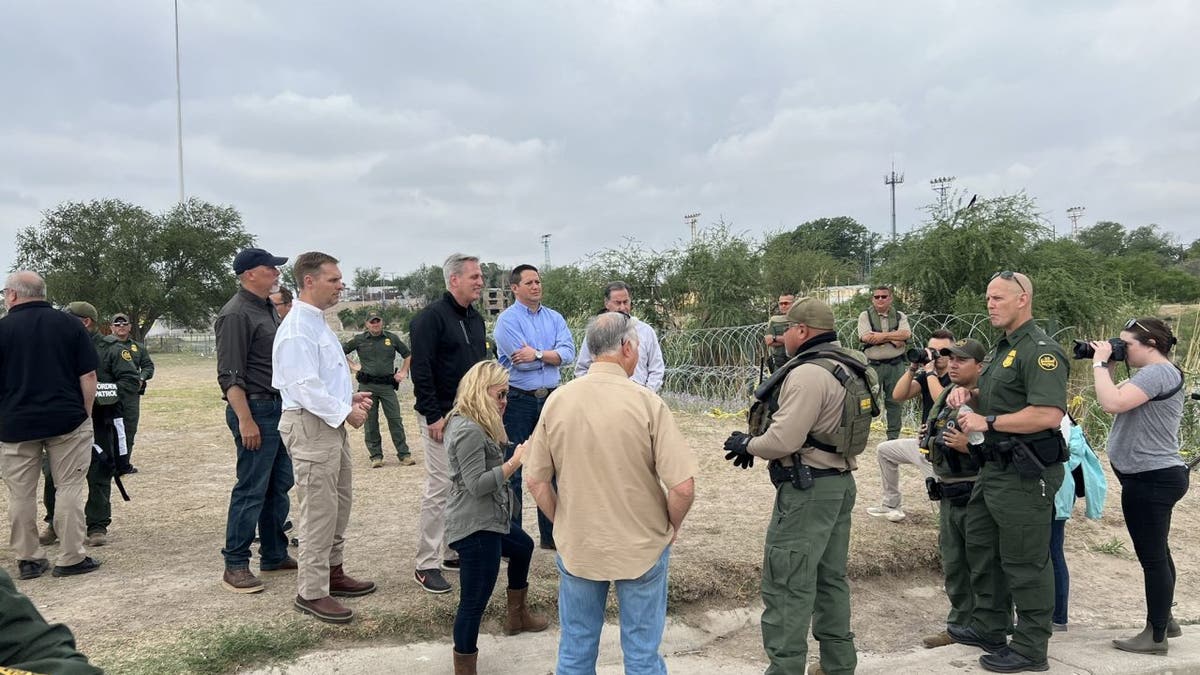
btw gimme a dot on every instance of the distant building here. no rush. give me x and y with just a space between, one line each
495 300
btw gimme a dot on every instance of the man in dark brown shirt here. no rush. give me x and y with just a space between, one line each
245 330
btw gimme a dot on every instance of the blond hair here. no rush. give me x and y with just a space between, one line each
474 403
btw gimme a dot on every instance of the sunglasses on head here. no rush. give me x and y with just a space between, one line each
1129 325
1010 276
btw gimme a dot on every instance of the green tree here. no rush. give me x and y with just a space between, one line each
716 280
790 267
643 270
122 258
843 238
1148 239
426 283
367 277
1105 237
571 291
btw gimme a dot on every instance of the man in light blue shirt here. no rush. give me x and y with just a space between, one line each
532 342
650 368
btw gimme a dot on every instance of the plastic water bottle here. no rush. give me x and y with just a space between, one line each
974 437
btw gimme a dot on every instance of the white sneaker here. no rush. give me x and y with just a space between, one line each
893 515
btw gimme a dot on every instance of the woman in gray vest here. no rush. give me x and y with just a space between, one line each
1143 447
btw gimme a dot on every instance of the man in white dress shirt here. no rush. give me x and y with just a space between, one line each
309 370
650 368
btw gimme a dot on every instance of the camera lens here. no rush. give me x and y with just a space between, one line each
915 355
1083 350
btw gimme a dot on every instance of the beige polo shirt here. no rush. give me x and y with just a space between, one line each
810 399
613 445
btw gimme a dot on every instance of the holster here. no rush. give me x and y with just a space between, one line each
958 494
364 378
1028 464
799 475
933 488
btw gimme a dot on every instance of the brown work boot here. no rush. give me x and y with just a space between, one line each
326 609
815 669
289 564
344 586
937 640
464 664
48 536
96 538
519 617
241 581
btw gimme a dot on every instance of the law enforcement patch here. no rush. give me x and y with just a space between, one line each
126 355
1047 362
133 348
387 342
1009 358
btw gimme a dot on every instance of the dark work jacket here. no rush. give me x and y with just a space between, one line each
447 339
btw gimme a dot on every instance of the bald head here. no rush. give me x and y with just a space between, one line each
24 286
1009 300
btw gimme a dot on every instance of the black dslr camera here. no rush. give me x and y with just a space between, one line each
1083 349
920 355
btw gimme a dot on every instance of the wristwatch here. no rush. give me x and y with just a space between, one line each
537 354
1099 364
991 422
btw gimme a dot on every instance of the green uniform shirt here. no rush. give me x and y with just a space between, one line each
377 353
1027 368
141 357
777 325
116 366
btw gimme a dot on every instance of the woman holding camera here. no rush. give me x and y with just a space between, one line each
1143 448
479 523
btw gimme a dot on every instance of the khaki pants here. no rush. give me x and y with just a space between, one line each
891 454
21 463
431 528
321 464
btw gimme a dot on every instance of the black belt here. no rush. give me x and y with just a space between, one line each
539 393
263 397
885 362
822 473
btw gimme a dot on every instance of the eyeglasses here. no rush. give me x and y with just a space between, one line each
881 297
120 323
1010 276
1134 322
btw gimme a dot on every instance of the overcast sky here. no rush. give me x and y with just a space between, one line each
392 133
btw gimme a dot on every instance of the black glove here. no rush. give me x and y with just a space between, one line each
737 448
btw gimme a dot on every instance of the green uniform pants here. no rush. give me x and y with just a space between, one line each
804 577
889 374
952 540
382 395
1008 551
28 643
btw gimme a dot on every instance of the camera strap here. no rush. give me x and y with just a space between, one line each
1174 390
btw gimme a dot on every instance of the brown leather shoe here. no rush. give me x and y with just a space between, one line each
464 664
242 581
289 564
342 585
519 617
326 609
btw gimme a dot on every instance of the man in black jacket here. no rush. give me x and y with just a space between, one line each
448 337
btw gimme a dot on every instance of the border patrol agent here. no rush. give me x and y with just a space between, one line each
808 539
132 403
777 324
1020 402
377 349
955 472
883 331
116 370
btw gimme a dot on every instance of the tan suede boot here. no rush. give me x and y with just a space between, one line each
519 617
464 664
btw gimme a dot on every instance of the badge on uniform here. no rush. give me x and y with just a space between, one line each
1047 362
1009 358
126 355
133 348
387 342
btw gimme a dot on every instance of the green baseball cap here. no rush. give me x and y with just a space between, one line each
84 310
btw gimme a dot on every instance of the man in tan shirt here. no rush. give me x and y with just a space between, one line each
884 332
612 445
808 539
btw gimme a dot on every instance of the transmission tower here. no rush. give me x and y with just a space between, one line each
892 180
546 248
942 185
1075 213
690 219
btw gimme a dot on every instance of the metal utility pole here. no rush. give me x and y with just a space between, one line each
546 248
892 180
690 219
1075 213
178 104
942 185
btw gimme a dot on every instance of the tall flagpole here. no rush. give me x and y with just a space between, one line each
178 104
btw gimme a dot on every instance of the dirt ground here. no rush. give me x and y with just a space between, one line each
160 583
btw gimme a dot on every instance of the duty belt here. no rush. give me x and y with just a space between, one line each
781 474
885 362
539 393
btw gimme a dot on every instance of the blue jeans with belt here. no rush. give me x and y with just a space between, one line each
260 495
520 417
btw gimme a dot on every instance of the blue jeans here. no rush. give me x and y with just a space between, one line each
1062 575
479 554
260 495
520 417
643 608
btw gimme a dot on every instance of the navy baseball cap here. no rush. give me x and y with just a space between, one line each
250 258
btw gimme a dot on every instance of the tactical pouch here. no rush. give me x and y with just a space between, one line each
1026 460
1050 450
958 494
934 489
